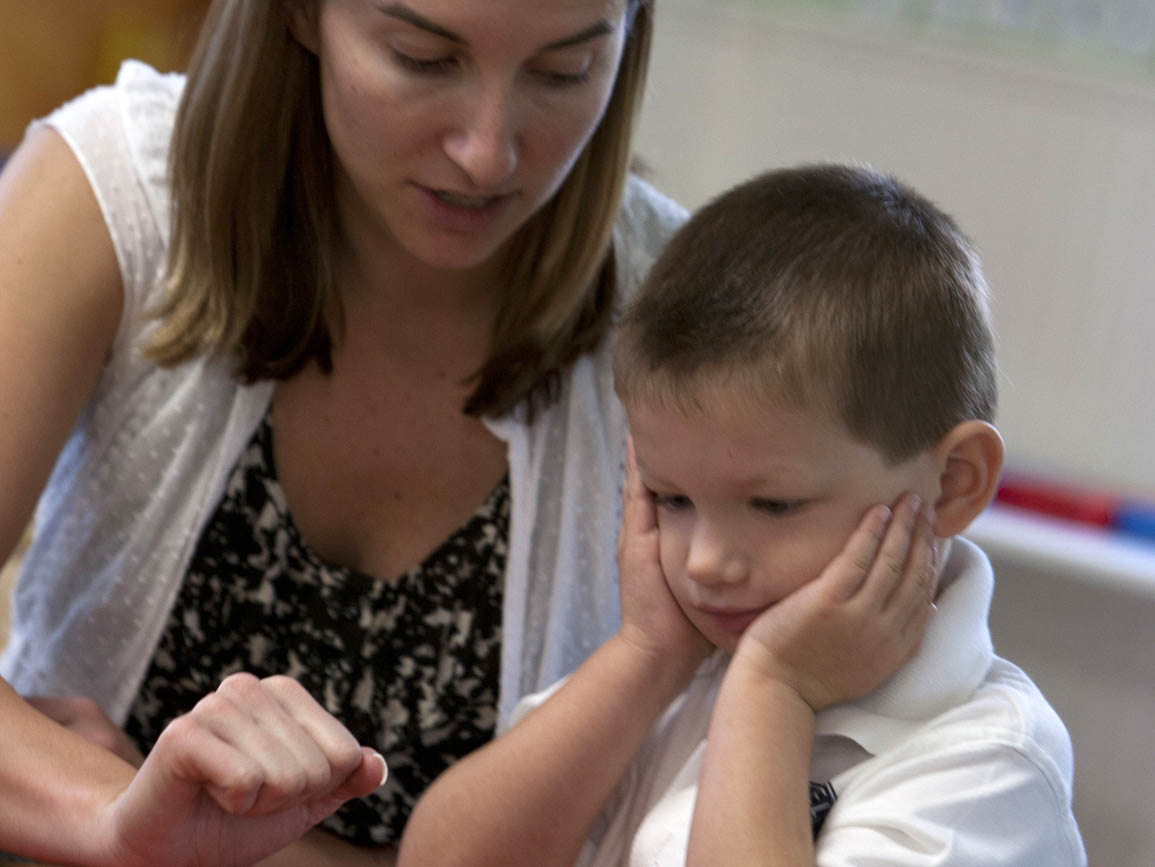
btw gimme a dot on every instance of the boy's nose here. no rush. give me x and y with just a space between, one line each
484 142
711 561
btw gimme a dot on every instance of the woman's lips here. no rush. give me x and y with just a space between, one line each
460 212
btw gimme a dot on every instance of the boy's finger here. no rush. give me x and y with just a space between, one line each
636 505
847 572
892 561
915 597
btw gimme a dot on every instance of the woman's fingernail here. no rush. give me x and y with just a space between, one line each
384 769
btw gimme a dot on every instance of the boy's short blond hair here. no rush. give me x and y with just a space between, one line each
824 286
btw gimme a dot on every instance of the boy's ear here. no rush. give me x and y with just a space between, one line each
302 18
969 459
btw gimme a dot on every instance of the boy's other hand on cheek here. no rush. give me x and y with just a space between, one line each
838 637
652 620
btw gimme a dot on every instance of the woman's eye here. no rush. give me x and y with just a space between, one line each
553 78
425 66
775 507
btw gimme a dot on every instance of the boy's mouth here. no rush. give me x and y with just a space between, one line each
732 621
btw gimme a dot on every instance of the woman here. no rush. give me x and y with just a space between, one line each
329 397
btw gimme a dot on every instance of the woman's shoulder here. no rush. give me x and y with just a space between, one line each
648 215
646 221
147 103
127 123
140 99
120 133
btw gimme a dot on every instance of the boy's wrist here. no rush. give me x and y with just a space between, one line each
668 671
757 667
751 671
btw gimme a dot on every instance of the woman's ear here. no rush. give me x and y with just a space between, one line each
969 460
302 16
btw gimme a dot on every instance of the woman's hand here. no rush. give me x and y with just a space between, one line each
652 620
251 768
84 717
840 636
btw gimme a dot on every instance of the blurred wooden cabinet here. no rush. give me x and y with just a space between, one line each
51 50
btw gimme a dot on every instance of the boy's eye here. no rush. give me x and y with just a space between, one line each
672 502
775 507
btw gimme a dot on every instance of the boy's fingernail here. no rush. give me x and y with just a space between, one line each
880 515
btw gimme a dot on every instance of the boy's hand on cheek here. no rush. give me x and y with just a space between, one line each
651 618
840 636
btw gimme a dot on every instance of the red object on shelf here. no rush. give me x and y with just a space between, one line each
1060 501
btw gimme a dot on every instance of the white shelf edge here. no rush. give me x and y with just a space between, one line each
1076 550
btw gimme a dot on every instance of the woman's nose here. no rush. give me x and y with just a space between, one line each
484 142
711 560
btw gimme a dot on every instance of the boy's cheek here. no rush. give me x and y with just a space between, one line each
671 551
826 546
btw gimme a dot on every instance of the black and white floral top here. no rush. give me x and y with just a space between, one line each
410 666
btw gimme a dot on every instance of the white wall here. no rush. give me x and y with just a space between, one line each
1052 175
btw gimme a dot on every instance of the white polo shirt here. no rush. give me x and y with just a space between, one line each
958 759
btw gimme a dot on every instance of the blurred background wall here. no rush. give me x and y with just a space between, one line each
1033 122
1040 142
51 50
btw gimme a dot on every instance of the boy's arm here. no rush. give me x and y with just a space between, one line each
532 795
833 640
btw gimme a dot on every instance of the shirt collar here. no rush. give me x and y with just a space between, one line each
954 658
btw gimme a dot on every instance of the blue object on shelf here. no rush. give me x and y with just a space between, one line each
1136 519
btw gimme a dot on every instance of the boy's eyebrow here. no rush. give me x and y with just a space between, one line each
403 13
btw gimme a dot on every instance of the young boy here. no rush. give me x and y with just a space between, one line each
813 342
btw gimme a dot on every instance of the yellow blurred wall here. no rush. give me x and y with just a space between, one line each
51 50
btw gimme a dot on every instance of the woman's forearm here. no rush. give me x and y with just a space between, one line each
54 787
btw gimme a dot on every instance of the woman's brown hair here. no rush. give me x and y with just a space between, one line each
250 270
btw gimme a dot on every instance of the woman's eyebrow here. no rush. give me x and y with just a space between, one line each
601 28
403 13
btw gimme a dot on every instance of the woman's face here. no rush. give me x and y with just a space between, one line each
453 121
